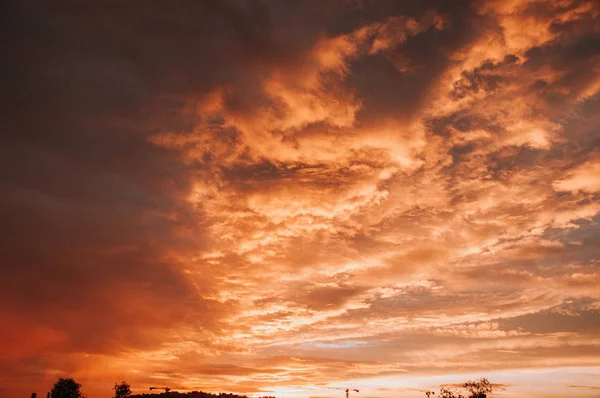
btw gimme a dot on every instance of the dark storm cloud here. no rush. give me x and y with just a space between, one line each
399 79
92 211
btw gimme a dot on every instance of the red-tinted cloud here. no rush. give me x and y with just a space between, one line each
272 197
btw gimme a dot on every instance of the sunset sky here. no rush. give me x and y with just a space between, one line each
275 197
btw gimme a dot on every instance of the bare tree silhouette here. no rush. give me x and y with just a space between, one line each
476 388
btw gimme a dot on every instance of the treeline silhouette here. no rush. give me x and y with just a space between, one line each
192 394
69 388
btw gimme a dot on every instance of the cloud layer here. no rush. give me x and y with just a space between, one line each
274 197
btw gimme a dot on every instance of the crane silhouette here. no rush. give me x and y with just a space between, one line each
167 389
347 390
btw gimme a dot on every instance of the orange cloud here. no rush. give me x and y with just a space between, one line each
272 198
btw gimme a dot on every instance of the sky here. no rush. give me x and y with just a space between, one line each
275 197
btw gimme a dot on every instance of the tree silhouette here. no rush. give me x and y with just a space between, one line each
478 388
122 390
446 393
66 388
